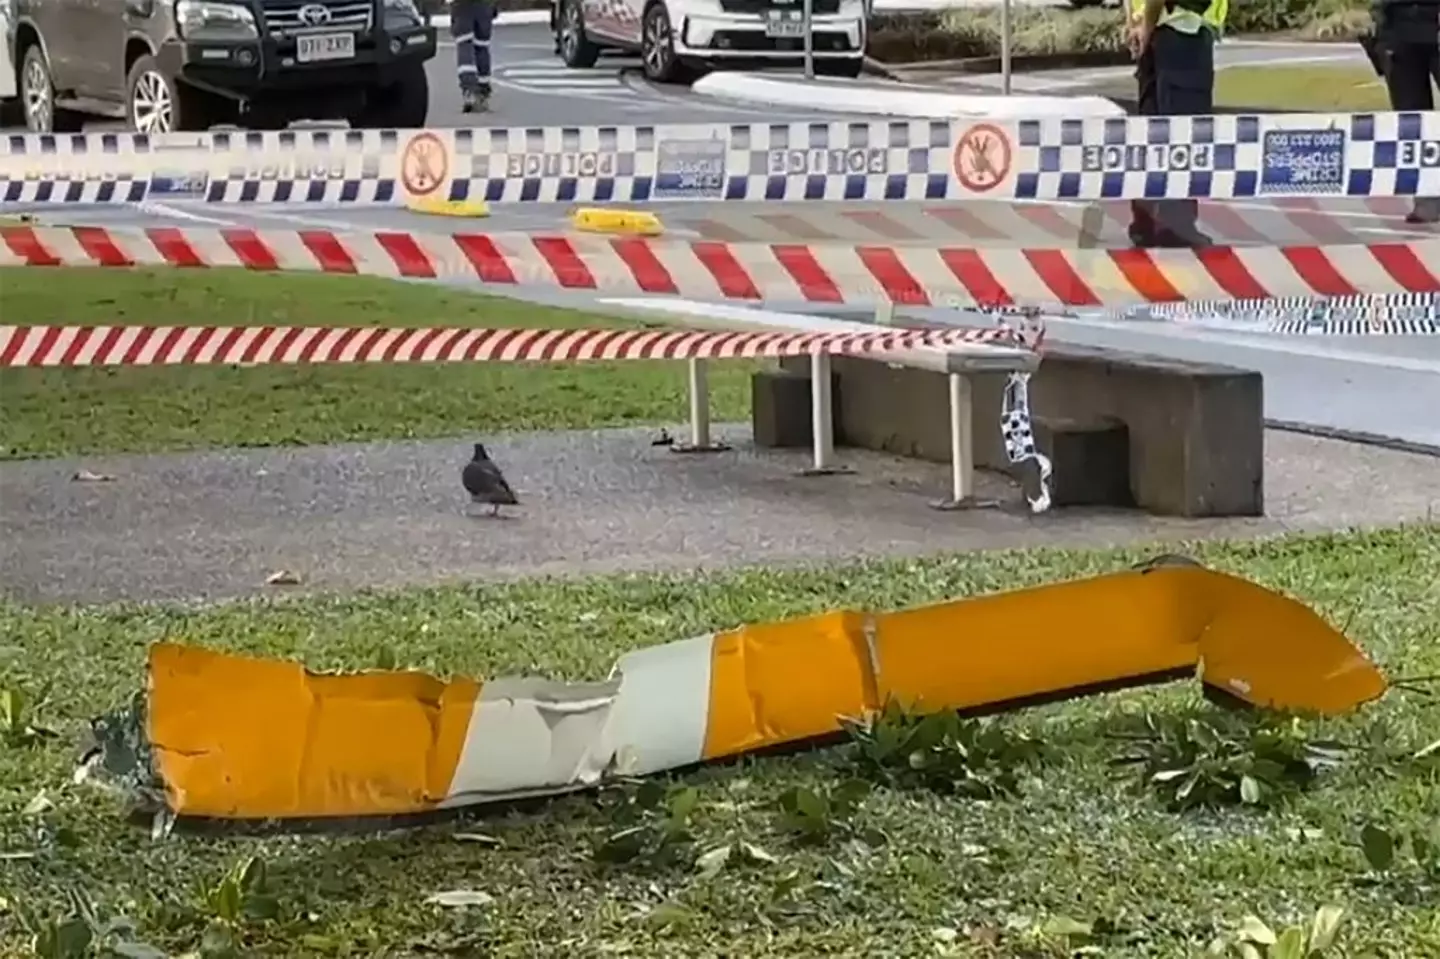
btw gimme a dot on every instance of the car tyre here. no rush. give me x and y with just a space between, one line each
403 105
37 95
156 103
576 49
657 47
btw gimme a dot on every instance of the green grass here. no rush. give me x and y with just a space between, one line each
1078 842
1320 89
65 412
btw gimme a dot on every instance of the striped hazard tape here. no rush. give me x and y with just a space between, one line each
198 345
225 730
836 273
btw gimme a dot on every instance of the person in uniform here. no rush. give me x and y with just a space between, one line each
471 23
1173 42
1407 33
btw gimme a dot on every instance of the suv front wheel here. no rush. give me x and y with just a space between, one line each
37 94
657 46
156 103
576 50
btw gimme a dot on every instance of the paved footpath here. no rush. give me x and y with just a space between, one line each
213 525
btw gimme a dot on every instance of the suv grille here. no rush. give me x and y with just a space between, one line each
283 17
822 7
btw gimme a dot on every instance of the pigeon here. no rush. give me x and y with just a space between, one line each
485 483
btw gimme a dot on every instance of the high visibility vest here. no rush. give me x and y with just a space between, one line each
1188 20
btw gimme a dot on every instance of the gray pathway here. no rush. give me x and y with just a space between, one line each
214 525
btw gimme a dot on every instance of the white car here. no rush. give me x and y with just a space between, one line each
677 38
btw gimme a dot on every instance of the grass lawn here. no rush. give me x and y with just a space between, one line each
62 412
955 877
1308 87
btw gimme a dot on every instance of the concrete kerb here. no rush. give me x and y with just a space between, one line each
890 99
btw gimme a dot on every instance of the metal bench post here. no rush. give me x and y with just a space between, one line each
700 441
822 418
962 447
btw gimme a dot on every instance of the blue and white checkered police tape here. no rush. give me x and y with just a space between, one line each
1399 314
1367 155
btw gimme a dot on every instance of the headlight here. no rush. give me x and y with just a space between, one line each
400 14
207 20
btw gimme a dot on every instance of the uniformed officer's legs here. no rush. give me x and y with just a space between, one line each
470 24
1184 86
1411 68
1143 227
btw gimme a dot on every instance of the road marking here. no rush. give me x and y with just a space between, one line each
324 224
539 76
152 208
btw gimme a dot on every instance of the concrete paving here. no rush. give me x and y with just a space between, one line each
208 526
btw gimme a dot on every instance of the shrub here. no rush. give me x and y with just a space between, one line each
971 32
1271 16
975 32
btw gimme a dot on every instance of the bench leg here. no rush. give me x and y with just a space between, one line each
962 449
822 418
700 441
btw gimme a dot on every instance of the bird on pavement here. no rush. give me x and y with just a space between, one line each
485 483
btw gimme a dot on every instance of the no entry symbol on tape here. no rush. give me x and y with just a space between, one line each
424 164
982 157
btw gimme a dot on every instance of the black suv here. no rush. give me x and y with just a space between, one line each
166 65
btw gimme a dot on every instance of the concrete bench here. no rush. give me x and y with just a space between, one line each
953 368
1194 432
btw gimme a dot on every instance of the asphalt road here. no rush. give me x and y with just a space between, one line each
533 88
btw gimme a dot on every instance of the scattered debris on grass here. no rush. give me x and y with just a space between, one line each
18 726
86 476
974 758
1254 939
820 814
1227 759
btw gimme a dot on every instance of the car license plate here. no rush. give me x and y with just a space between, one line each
325 46
776 27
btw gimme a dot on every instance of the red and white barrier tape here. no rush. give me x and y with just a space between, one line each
832 273
171 345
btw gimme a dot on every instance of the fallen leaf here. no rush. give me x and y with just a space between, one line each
282 577
478 837
460 898
710 863
40 804
85 476
985 936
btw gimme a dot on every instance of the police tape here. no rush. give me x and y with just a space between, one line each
1398 315
51 346
999 158
822 273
